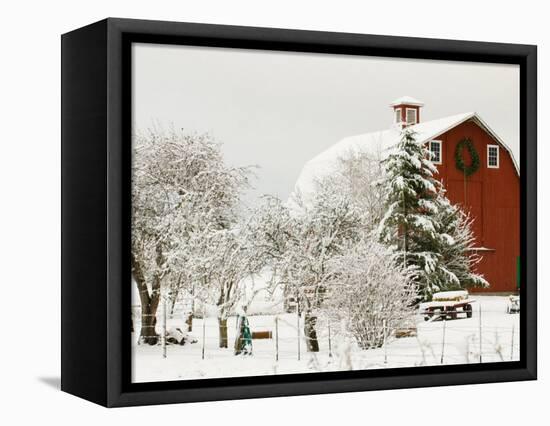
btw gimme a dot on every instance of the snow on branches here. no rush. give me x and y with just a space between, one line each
370 292
356 176
303 241
421 225
181 190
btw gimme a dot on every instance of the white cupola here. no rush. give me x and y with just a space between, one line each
406 111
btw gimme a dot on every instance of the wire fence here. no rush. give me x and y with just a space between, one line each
435 339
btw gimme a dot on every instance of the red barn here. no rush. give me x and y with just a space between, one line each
489 190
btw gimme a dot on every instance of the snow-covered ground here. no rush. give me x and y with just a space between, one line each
450 342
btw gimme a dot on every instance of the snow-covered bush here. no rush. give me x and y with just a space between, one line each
368 290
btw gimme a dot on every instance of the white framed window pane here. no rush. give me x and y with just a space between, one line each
435 149
398 115
411 116
492 156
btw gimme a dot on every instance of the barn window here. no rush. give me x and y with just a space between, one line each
398 115
435 149
411 116
492 156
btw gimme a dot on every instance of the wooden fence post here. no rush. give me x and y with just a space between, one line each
298 320
512 343
443 339
329 342
480 336
203 333
164 327
276 338
385 341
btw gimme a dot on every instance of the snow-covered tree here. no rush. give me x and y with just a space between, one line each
220 262
320 231
181 188
370 292
228 266
268 228
356 175
295 245
426 231
410 224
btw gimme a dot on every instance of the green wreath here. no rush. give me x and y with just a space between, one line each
470 169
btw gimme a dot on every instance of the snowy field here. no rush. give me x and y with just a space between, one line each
438 342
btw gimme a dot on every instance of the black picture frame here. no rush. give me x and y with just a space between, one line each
96 141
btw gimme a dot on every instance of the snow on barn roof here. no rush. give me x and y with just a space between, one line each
407 100
377 144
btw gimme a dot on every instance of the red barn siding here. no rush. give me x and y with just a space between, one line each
492 198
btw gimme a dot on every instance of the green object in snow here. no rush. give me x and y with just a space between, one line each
243 343
247 335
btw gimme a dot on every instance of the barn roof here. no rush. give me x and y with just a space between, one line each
377 145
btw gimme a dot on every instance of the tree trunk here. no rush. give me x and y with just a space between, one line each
310 333
238 347
189 321
148 322
191 314
149 303
222 324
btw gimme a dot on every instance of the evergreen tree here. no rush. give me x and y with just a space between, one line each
429 234
411 223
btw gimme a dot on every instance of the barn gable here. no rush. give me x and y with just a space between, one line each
479 121
378 144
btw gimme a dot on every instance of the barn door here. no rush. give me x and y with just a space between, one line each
470 197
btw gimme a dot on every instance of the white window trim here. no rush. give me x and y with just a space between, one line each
415 115
400 115
498 156
439 142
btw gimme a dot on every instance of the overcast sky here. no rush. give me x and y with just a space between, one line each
280 109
